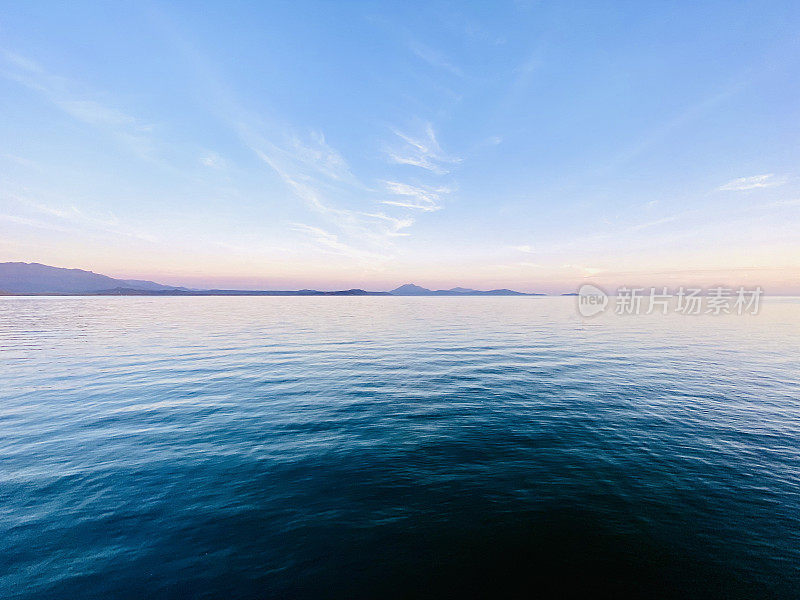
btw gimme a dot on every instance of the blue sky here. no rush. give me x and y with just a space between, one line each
533 145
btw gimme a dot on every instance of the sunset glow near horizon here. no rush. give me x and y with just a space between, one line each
526 145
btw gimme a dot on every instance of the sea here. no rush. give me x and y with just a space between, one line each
395 447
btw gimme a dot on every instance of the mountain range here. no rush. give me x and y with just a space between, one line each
34 278
18 278
409 289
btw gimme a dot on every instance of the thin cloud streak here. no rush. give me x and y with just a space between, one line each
751 183
78 219
213 160
331 243
306 180
423 151
65 94
434 58
420 198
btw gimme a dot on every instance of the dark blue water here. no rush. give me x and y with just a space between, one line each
395 447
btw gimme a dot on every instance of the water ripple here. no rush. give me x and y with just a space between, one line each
395 447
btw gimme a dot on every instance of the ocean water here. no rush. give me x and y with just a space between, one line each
350 447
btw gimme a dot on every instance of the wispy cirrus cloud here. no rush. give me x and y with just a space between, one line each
341 202
71 218
662 131
583 270
422 150
434 57
331 243
414 196
35 223
750 183
212 160
296 158
393 226
95 113
343 206
317 174
655 223
316 154
564 269
77 102
522 265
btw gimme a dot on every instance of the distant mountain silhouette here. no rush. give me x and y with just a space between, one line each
35 278
409 289
352 292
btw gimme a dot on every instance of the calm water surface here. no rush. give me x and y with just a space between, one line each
395 447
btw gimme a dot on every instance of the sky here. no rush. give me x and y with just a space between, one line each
331 145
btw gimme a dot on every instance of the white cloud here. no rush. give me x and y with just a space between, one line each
38 224
331 243
288 153
315 154
525 248
393 224
751 183
584 270
417 197
434 58
522 265
68 96
76 218
655 223
212 160
423 150
315 172
94 113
